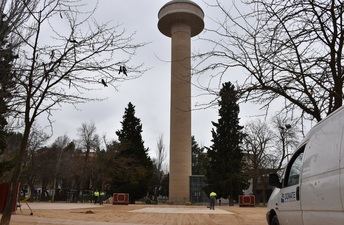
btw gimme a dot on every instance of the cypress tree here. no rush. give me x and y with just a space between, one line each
135 168
224 170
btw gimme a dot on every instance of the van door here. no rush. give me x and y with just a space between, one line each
289 207
320 190
342 170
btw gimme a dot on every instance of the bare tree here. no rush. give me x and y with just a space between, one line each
88 138
16 14
89 141
37 139
286 139
161 153
290 50
60 143
159 162
81 56
258 147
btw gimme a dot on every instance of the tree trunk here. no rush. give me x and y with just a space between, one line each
338 94
32 189
54 190
86 178
254 185
57 168
264 191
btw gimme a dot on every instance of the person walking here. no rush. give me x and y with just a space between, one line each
101 197
212 196
96 197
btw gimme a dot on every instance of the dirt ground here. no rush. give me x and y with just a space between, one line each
64 214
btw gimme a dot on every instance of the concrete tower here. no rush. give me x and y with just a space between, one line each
180 20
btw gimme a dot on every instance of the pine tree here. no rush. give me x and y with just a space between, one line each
130 135
198 158
224 170
6 83
135 168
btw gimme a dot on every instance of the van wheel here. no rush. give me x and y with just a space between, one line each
274 220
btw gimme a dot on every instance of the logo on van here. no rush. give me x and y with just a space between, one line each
288 197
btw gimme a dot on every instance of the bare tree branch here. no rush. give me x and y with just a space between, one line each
291 50
63 54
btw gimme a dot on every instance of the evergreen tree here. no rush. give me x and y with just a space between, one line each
164 185
130 135
198 158
224 170
6 83
135 168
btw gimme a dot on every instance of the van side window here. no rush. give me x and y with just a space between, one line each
294 169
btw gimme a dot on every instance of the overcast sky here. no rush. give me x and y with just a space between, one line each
149 93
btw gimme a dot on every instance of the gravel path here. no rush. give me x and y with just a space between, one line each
90 214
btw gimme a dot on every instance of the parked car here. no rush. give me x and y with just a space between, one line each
311 189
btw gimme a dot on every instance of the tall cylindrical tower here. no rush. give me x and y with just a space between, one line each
180 20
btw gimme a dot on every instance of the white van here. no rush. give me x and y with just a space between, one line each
311 191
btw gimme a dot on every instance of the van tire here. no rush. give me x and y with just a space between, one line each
274 220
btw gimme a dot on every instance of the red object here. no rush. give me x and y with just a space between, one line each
247 200
120 199
4 189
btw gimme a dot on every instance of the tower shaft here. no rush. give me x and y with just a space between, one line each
180 20
180 133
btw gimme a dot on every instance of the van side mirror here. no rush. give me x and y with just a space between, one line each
274 180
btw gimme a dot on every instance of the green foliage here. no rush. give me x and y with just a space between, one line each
165 185
199 158
7 162
130 135
156 181
6 83
224 170
134 166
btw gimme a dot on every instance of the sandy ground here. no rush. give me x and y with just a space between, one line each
87 214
